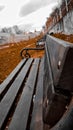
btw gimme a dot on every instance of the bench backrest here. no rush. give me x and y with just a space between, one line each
58 79
60 54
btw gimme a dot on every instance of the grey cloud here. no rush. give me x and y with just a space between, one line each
1 7
33 6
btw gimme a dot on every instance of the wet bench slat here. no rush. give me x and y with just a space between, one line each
37 115
18 107
11 94
5 85
20 118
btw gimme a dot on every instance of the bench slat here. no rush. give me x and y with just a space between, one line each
20 118
10 78
37 119
10 96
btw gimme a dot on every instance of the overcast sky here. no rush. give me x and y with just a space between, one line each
31 13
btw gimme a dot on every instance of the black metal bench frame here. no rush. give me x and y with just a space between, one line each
27 55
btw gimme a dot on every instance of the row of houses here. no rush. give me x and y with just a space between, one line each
61 19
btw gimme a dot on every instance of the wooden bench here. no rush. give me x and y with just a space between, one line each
21 97
38 92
